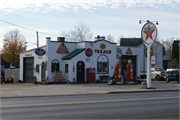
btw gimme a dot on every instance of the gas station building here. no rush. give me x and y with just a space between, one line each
78 61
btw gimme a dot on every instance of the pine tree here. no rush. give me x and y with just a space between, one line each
175 53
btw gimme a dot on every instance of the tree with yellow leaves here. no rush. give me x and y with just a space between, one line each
13 45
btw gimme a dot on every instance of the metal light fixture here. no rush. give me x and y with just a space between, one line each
140 21
157 23
31 43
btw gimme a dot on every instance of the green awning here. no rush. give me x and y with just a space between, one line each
73 54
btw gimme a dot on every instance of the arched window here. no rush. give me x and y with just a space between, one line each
102 65
55 65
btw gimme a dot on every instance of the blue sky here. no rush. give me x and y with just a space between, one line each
115 17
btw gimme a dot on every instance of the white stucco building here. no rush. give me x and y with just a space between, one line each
71 58
74 58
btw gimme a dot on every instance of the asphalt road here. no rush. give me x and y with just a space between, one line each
151 105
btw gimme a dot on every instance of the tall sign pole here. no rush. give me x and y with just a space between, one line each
148 35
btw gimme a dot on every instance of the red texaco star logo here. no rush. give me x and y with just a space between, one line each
149 33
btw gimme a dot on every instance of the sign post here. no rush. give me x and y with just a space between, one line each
148 35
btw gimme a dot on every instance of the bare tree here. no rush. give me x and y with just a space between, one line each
80 33
168 46
119 39
110 38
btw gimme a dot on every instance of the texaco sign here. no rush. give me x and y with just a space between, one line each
149 33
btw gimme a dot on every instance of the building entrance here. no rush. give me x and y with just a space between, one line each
80 71
28 70
124 61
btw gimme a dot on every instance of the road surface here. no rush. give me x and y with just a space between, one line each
150 105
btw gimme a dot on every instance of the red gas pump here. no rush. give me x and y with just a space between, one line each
118 71
130 71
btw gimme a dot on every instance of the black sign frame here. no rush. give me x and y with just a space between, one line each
40 52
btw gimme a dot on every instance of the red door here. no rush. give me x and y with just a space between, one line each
90 75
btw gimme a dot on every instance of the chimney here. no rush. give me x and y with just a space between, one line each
48 38
98 37
61 39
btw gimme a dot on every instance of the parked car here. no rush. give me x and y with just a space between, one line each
172 75
157 73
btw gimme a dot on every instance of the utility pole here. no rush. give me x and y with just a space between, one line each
37 39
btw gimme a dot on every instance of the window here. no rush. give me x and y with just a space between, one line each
175 72
171 72
55 65
102 65
159 69
66 68
37 68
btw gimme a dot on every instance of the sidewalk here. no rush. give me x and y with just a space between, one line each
29 89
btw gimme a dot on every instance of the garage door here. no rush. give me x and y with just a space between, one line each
28 70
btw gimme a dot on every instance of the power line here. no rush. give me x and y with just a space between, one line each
27 28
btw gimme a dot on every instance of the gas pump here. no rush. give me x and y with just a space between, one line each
130 71
118 71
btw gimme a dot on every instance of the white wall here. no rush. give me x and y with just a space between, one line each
157 52
111 57
93 59
31 53
52 54
80 45
68 75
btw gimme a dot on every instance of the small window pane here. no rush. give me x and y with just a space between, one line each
37 68
55 65
104 67
66 68
99 67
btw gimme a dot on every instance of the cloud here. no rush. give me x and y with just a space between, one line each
76 5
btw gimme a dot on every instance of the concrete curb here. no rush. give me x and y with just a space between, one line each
111 92
145 90
51 95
